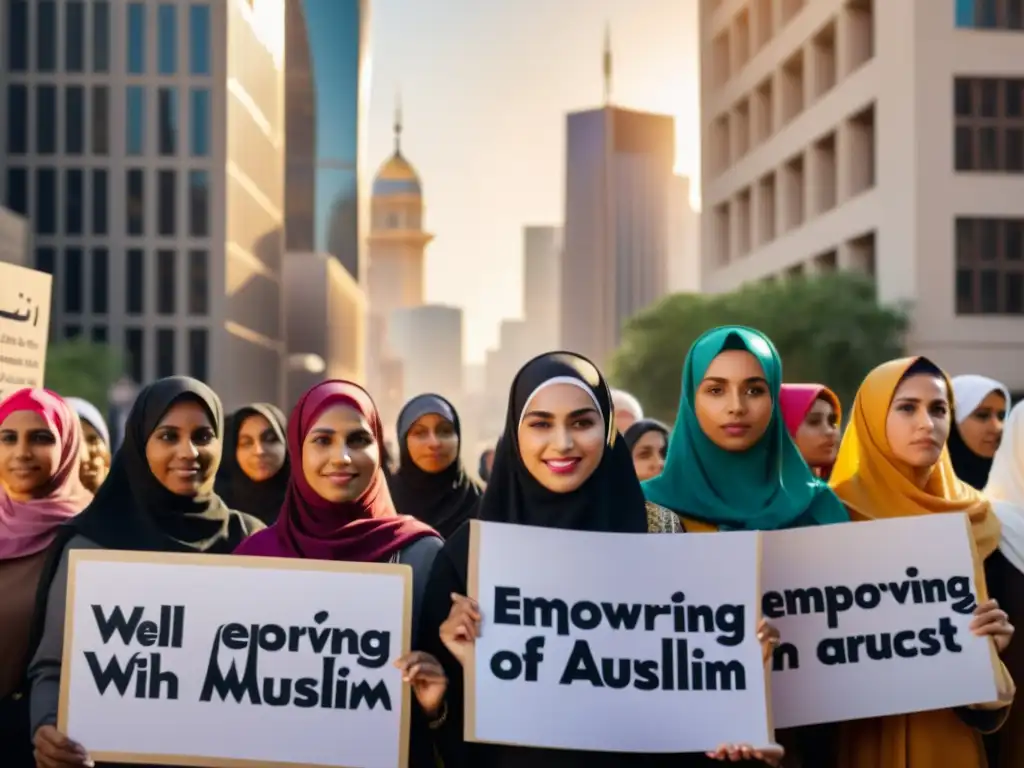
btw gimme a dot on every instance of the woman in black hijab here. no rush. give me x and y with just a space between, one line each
253 474
158 497
431 484
589 487
647 440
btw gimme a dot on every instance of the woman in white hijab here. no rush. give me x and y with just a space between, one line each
980 406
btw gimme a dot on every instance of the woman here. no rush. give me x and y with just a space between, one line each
893 463
431 484
158 497
558 465
812 415
484 465
40 489
647 440
980 406
96 449
254 473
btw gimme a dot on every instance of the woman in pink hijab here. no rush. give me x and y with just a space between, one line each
813 414
40 488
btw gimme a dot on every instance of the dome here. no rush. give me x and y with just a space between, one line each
396 177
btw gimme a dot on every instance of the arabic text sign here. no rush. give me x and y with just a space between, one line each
649 641
878 610
24 327
217 660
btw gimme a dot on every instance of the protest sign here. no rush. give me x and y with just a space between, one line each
874 620
180 659
24 327
615 642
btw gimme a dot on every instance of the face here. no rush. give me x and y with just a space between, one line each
183 452
918 422
432 443
29 455
95 461
562 437
623 419
260 451
340 455
649 454
733 404
489 461
818 435
983 429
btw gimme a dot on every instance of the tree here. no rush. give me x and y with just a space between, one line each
79 368
828 329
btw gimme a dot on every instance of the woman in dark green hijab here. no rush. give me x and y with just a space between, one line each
731 464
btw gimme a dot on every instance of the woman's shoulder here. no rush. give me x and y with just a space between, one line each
258 544
661 519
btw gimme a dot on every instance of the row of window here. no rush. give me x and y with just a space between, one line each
80 118
989 266
87 26
70 214
198 349
990 14
988 124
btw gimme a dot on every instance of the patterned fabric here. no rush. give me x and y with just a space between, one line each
662 520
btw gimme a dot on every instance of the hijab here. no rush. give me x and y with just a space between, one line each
482 471
134 510
443 500
1005 488
91 415
968 392
365 530
873 484
28 527
609 500
765 488
796 401
640 428
238 490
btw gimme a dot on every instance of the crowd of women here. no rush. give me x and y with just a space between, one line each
746 452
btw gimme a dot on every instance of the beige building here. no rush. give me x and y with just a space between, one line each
428 341
14 238
542 285
684 239
886 137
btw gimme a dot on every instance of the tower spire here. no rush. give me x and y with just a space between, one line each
607 64
398 122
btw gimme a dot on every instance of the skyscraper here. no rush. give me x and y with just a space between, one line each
542 285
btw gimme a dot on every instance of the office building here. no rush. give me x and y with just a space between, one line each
684 239
14 238
428 341
542 285
145 143
885 137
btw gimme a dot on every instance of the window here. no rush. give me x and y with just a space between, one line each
133 353
135 203
74 272
74 201
17 36
74 34
135 281
164 352
167 121
1013 146
989 14
46 119
74 120
101 36
989 124
72 331
198 283
99 334
166 203
197 354
167 39
46 36
100 281
166 282
136 38
17 190
17 122
990 266
135 126
198 204
45 213
199 131
199 39
99 201
100 120
46 260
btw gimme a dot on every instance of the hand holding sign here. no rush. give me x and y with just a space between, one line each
55 750
426 677
769 637
771 755
462 627
991 620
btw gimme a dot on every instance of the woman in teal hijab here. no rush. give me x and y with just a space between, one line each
731 464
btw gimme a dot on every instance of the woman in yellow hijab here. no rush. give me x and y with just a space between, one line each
893 462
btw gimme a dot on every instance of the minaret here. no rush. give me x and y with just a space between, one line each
398 122
607 65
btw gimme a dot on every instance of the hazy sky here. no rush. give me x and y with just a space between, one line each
485 88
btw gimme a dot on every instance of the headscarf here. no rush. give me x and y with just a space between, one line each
623 400
91 415
133 510
609 500
443 500
1005 488
28 527
968 392
640 428
482 471
795 402
365 530
239 491
765 488
873 485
